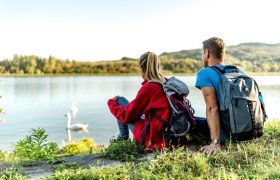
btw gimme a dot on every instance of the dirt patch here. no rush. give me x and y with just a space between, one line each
43 169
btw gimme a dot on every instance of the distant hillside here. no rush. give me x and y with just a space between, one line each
254 57
255 52
191 54
244 51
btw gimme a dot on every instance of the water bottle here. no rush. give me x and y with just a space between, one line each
262 104
261 97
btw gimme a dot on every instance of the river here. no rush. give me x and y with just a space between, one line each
32 102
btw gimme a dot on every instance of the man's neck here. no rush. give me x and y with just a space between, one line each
216 62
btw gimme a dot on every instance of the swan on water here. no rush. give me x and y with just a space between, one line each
77 126
74 110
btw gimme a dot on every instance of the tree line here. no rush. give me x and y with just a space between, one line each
35 65
52 65
252 57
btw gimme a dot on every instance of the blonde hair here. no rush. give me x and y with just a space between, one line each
150 65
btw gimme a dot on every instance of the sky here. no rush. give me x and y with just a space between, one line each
91 30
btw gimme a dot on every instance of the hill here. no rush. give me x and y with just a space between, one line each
252 57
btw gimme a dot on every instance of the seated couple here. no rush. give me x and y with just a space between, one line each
134 115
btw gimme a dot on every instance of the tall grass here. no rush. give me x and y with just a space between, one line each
256 159
125 150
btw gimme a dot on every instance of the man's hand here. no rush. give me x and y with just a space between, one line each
211 148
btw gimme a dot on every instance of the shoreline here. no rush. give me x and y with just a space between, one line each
126 74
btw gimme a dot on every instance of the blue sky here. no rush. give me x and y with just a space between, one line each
107 30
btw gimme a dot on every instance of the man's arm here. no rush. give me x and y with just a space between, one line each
213 118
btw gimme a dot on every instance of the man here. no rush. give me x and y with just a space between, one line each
207 81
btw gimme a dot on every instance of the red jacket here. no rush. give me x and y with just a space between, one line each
150 97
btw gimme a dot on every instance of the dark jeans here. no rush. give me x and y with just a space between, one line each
123 128
202 127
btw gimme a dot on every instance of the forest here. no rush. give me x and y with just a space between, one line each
251 57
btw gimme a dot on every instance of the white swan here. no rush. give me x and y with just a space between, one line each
74 109
77 126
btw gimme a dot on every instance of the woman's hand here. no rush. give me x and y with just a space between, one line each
116 97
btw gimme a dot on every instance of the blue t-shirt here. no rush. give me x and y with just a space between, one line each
208 77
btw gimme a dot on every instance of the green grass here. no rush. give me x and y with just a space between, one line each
6 157
14 172
256 159
125 150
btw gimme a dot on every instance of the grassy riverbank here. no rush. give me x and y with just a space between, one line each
256 159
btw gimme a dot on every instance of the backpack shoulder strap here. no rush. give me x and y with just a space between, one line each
159 118
218 70
223 71
223 88
147 126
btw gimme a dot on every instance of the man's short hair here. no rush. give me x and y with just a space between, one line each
216 46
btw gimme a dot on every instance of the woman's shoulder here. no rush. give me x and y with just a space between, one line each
152 91
152 85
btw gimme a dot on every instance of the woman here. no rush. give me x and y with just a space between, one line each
138 114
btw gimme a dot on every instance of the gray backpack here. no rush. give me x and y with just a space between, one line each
242 110
182 114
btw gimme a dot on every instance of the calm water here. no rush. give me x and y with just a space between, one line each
32 102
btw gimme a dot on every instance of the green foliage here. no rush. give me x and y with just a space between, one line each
34 65
35 146
125 150
272 128
255 159
94 173
55 160
6 157
84 146
172 164
14 172
69 166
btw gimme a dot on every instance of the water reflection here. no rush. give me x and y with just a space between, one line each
69 139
